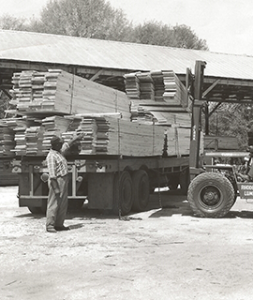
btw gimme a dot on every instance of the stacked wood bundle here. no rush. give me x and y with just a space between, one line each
53 125
21 128
74 105
100 135
34 136
60 92
165 94
132 86
22 89
146 86
112 136
161 85
7 142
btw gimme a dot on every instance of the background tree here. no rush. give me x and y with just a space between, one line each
232 120
83 18
11 23
180 36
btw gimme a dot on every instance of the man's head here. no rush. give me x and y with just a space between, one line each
56 143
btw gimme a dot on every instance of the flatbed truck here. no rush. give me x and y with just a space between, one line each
119 184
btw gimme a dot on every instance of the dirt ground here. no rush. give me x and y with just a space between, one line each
163 253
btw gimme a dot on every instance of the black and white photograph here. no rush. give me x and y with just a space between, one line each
126 149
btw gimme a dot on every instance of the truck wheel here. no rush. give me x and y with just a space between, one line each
210 195
35 210
122 193
39 210
140 190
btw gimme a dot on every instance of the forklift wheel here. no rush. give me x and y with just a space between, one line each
211 195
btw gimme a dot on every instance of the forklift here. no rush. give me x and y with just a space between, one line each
213 187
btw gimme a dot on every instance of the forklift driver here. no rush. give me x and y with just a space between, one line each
246 173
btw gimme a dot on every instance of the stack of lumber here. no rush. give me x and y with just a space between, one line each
100 135
163 94
112 136
7 142
159 85
22 128
60 92
132 86
59 103
53 125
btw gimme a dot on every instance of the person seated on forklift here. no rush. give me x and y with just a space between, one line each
57 203
245 173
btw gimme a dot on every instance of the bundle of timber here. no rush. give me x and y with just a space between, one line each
60 92
161 98
159 86
114 136
25 128
7 142
106 134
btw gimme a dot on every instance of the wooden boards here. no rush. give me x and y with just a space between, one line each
101 135
57 102
155 96
60 92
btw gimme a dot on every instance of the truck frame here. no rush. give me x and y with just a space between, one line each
116 183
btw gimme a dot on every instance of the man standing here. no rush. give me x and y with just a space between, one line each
57 204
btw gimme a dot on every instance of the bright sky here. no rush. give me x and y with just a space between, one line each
226 25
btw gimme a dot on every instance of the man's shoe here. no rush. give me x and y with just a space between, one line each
61 228
51 229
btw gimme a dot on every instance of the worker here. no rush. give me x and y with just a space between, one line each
245 173
58 183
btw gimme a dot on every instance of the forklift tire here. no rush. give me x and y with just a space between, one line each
210 195
140 190
122 193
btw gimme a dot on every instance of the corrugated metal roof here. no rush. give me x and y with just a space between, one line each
37 47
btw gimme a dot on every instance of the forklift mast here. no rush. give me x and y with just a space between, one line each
196 126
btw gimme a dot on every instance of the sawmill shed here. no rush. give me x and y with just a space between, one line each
227 76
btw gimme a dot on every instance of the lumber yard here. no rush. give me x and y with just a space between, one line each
141 124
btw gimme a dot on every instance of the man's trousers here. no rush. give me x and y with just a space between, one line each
57 209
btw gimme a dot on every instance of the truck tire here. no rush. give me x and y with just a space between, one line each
210 195
140 190
35 210
39 210
122 193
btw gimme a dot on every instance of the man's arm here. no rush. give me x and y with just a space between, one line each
67 145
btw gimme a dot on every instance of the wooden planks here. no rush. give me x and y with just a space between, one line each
60 92
155 95
74 105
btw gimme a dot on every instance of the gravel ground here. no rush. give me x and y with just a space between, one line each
157 254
